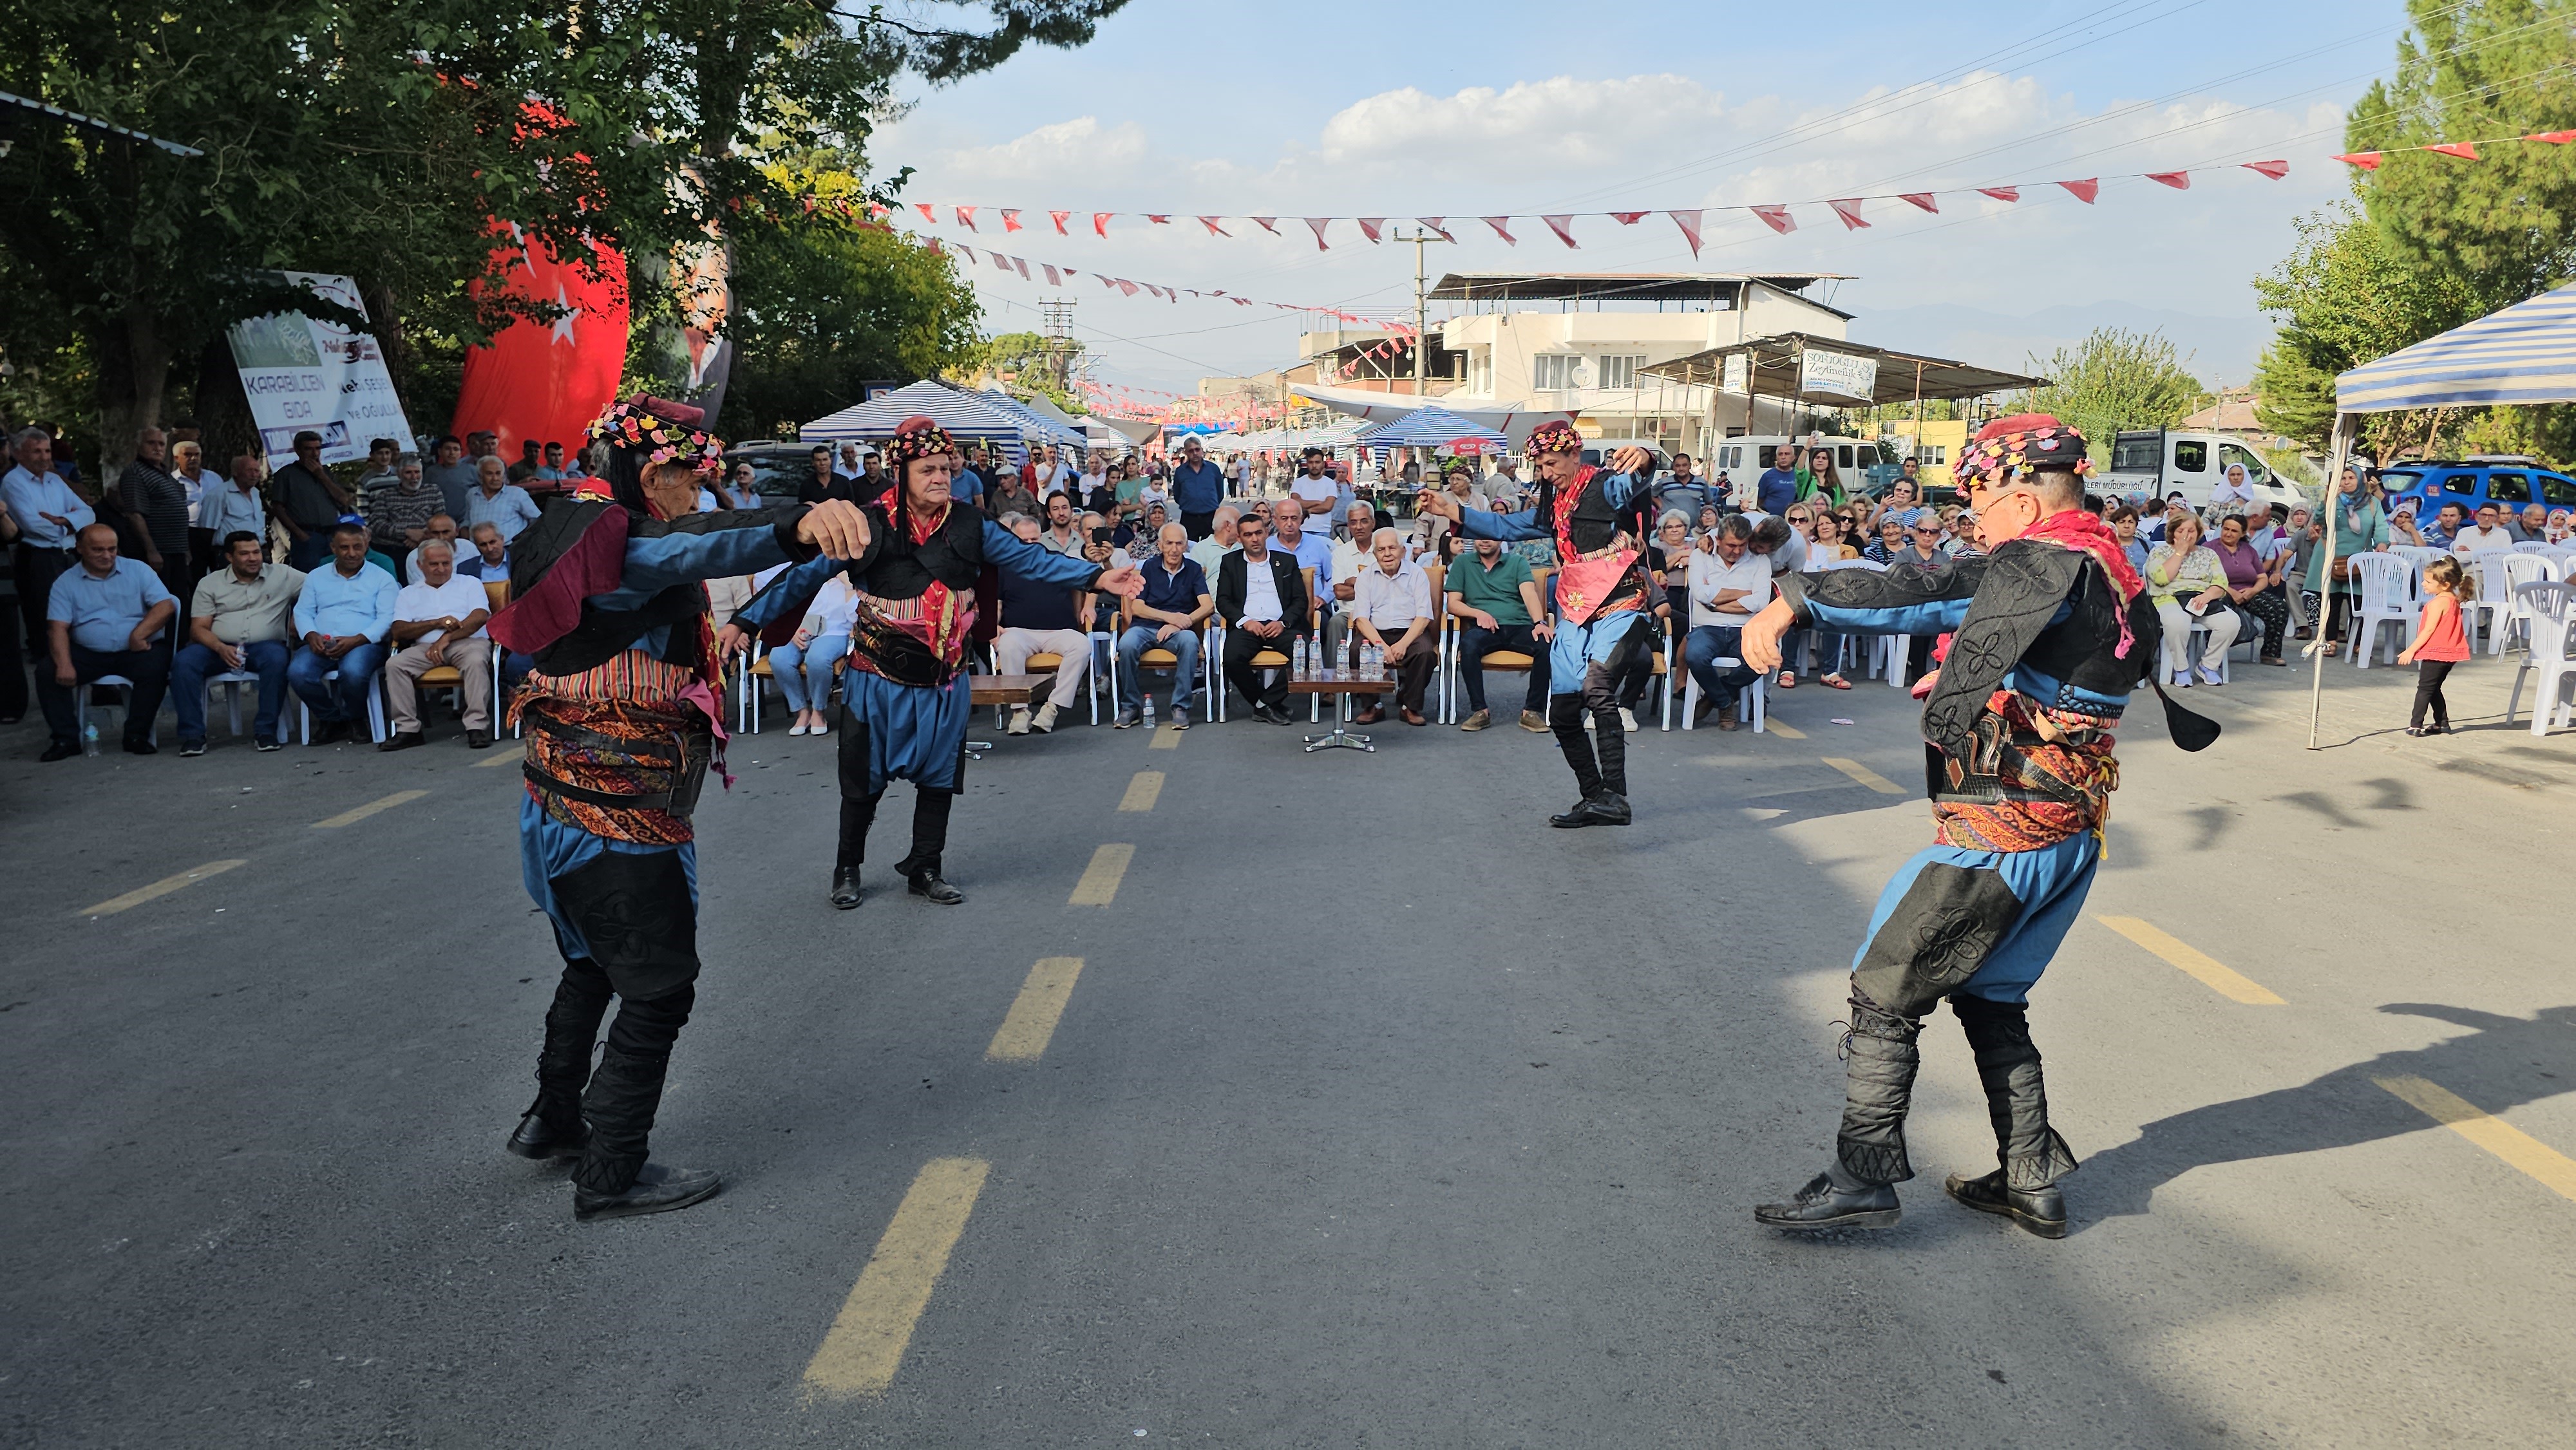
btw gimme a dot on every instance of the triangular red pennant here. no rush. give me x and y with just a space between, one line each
1849 210
1110 282
2465 150
1777 218
1318 223
1504 232
1628 218
2085 190
2001 193
1240 301
932 243
2278 169
1054 279
1923 199
1000 261
2554 138
2178 180
1127 287
1162 220
1010 219
969 251
1100 222
2364 160
1021 267
1265 224
965 217
927 214
1370 226
1209 222
1058 218
1434 223
1563 226
1688 221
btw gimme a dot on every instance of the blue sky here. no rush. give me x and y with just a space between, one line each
1351 109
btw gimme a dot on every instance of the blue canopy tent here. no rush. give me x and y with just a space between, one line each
1430 426
2523 354
1038 425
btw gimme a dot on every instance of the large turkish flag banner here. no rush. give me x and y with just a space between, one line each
548 381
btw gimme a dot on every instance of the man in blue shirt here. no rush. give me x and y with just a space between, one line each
967 487
108 616
342 617
1777 488
1167 615
47 514
497 501
1198 486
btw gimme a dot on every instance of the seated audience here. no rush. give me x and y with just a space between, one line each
439 621
441 527
1391 608
1040 619
804 665
106 615
399 506
1494 595
342 615
2188 585
1167 615
2487 534
489 559
1729 584
242 619
1261 596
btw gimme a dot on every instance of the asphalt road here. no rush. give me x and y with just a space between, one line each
1376 1115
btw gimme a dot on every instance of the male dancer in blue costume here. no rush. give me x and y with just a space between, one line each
2053 631
905 696
1601 622
622 722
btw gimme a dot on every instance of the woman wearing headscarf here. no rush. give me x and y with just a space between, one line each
2361 526
608 599
905 695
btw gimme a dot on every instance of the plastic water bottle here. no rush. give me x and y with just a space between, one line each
1149 712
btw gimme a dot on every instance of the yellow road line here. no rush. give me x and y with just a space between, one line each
162 887
2554 1169
1031 1022
506 757
1864 775
1771 726
2192 962
352 817
1099 883
865 1344
1163 737
1142 791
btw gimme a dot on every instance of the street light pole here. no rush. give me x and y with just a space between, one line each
1421 348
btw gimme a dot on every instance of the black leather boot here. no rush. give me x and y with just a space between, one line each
925 883
536 1138
2031 1155
657 1188
1880 1058
1824 1204
552 1127
845 887
1606 808
2040 1210
1565 721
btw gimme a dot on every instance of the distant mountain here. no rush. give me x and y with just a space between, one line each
2217 349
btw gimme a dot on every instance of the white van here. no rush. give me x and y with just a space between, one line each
2161 462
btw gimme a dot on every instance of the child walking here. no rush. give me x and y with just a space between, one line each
2440 642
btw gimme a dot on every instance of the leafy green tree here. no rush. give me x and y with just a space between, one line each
2344 296
2115 379
1031 362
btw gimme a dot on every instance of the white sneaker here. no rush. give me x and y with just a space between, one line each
1044 724
1627 719
796 730
1019 721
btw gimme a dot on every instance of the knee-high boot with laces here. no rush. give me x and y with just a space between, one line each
2031 1155
1857 1190
552 1126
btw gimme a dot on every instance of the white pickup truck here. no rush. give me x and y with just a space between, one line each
2161 462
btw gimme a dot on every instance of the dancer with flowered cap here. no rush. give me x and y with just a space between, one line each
1601 622
905 695
607 596
2053 631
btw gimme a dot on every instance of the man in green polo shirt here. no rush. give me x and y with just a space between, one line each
1495 598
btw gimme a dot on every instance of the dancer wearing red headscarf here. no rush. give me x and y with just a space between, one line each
904 694
2052 633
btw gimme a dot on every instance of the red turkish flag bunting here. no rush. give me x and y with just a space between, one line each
1209 222
1777 218
932 243
1923 199
1318 223
1265 223
1010 219
1000 261
1100 222
969 251
2465 150
2365 160
1127 287
1434 223
1688 221
2001 193
1058 217
2554 138
1628 218
1021 267
1240 301
1504 232
2274 169
1370 226
965 217
927 214
1563 226
2085 190
1162 220
2178 180
1054 279
1849 210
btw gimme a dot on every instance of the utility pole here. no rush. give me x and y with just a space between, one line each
1421 343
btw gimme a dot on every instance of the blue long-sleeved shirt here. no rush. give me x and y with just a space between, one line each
337 605
1619 488
30 498
1003 550
1198 490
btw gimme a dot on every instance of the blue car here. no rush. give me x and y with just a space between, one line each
2508 483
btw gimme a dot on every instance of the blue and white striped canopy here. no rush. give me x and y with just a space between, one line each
1429 426
965 414
2523 354
1038 425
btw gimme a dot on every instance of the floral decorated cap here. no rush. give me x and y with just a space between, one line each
658 432
1558 437
2022 443
917 437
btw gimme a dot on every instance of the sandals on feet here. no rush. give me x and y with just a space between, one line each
1833 682
1788 680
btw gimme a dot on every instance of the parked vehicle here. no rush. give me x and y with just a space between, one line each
2507 482
1863 462
777 469
2161 462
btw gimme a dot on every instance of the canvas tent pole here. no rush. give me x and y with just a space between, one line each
2343 431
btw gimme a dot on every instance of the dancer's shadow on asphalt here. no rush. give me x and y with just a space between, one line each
2504 1063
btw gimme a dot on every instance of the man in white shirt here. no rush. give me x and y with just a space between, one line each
1391 607
1349 558
442 529
1729 584
1316 491
49 517
2485 534
1220 540
496 500
439 621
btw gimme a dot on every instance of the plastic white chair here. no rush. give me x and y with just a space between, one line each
232 681
2519 569
2417 554
2489 599
375 710
2191 654
2548 606
1758 693
2387 597
152 731
2536 546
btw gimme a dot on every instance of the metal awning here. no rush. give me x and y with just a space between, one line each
1839 374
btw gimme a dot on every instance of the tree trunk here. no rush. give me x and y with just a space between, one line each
386 316
224 422
133 380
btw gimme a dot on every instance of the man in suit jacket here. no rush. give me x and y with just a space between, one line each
1261 596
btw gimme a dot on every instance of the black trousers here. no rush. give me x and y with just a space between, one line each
1475 642
36 570
149 669
2429 675
637 918
1199 526
930 806
13 668
2271 610
1240 646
